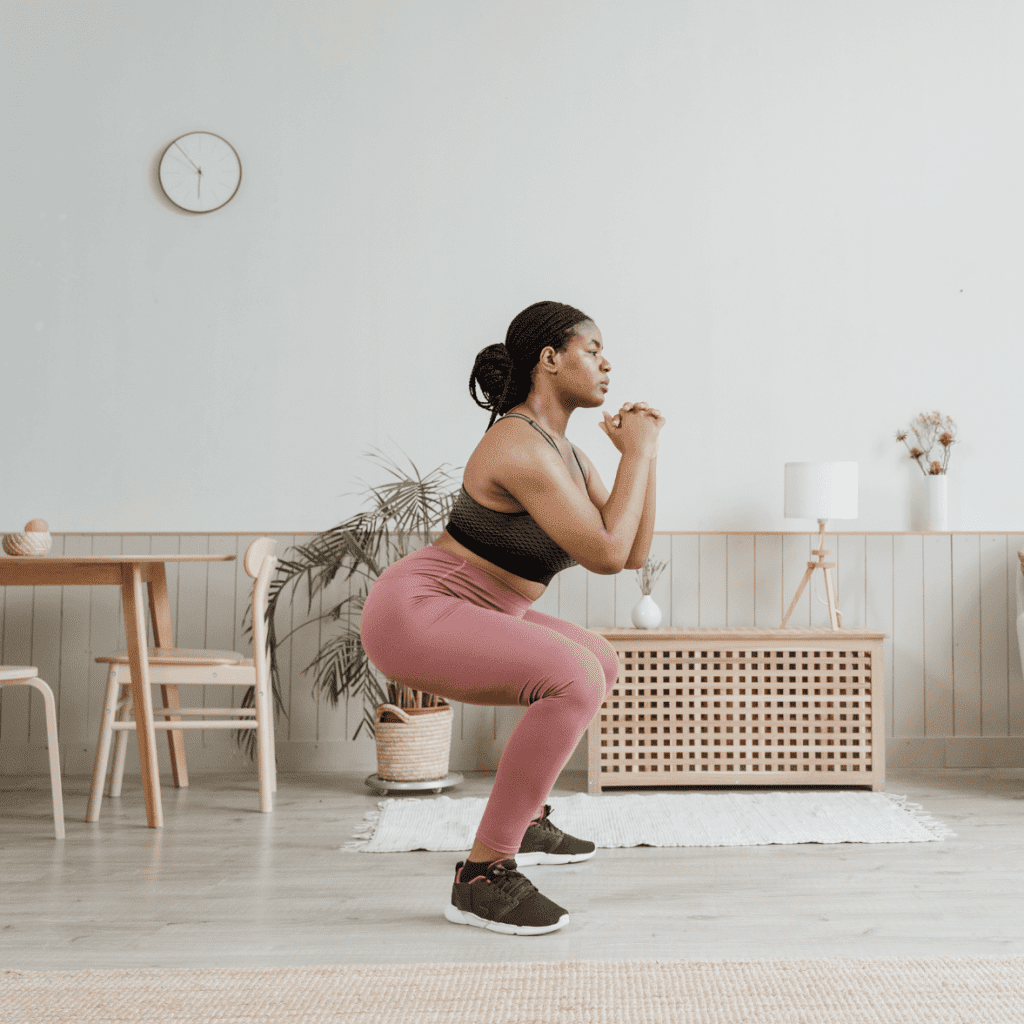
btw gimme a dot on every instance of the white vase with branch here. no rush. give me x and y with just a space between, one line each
646 614
931 429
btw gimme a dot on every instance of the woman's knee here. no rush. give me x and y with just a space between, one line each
579 680
609 662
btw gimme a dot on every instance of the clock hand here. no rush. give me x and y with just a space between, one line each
187 157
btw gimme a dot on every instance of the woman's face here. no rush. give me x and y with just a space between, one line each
583 369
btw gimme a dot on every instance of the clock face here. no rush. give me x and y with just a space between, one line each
200 172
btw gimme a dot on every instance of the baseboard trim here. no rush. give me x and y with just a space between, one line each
360 756
954 752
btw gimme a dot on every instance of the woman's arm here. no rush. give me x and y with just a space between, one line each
641 546
600 538
644 534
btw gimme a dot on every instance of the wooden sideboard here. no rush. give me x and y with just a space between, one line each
741 707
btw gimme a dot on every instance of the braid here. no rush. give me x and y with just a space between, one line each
504 373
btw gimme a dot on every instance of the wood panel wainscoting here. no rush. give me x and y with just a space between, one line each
954 693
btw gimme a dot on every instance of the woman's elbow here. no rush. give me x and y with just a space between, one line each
605 559
610 564
602 564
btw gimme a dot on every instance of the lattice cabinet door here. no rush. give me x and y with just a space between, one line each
742 707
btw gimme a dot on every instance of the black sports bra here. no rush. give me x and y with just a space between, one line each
511 540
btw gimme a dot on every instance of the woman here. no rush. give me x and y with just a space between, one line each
454 618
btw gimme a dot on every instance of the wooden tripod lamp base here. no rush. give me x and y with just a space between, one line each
834 614
822 491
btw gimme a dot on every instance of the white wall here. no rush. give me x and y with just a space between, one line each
797 223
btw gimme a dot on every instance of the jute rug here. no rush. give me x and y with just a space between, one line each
898 990
665 819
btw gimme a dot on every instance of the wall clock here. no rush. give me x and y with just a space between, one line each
200 172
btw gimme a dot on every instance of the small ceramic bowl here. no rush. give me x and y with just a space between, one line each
34 543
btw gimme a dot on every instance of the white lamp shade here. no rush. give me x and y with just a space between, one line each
821 490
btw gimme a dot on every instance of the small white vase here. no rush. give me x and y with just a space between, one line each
646 614
936 502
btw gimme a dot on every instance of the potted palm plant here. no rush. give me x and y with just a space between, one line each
404 512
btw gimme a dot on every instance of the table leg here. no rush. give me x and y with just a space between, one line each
138 661
160 616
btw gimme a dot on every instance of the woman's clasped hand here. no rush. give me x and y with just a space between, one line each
634 428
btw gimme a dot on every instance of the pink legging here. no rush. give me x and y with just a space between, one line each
438 623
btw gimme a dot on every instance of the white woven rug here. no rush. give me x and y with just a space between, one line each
665 819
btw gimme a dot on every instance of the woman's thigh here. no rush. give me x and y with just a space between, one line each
453 648
594 642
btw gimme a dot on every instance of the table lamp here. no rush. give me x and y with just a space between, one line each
822 491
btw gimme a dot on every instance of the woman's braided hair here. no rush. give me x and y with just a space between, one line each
504 373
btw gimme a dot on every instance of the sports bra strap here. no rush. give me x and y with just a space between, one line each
547 437
536 426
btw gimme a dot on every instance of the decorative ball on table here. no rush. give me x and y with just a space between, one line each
34 540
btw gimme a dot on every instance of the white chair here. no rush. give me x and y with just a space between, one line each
28 676
181 667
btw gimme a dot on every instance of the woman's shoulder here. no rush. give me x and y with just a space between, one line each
519 426
508 446
510 442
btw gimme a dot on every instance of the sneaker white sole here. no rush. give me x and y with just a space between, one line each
457 916
529 859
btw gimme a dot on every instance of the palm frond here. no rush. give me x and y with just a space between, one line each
404 512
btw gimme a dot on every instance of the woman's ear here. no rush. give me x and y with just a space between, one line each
547 361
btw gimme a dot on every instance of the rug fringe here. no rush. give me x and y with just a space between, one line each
937 829
364 832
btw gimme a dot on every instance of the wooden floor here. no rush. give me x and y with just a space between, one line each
222 885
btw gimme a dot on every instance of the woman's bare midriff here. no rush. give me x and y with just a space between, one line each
529 589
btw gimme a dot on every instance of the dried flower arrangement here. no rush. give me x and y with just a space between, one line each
930 429
648 575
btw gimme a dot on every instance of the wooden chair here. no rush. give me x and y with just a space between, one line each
28 676
173 667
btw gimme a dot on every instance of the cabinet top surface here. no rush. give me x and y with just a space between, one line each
724 633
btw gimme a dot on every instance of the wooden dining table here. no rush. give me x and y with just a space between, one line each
130 573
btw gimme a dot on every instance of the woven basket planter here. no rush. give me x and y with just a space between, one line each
415 748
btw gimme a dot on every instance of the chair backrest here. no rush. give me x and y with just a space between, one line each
19 673
256 552
259 564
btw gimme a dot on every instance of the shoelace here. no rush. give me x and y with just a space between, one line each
546 823
511 883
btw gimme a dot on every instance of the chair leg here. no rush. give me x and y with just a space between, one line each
99 768
54 751
264 749
271 742
121 741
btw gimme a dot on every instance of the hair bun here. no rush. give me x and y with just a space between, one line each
491 371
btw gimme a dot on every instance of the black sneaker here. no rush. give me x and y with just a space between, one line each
503 900
545 843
